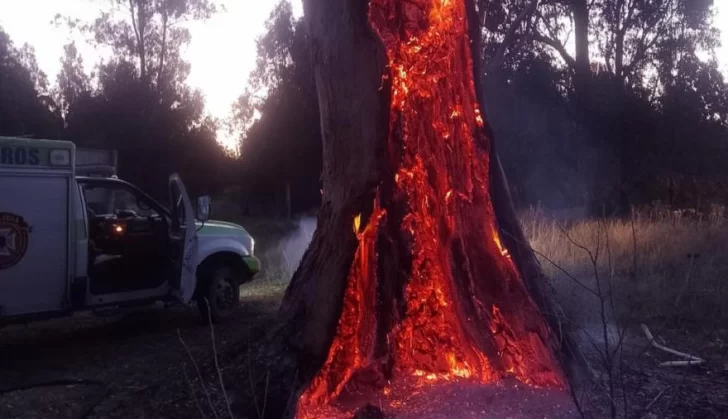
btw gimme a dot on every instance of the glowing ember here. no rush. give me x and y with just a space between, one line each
462 312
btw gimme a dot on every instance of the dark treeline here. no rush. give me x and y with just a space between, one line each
637 113
136 101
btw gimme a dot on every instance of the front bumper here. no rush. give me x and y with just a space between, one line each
253 264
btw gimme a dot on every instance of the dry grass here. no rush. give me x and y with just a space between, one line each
653 267
670 267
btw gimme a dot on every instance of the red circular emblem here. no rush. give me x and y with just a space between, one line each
14 233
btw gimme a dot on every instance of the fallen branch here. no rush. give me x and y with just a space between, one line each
690 359
696 361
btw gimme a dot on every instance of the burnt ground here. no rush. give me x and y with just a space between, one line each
140 368
654 391
699 391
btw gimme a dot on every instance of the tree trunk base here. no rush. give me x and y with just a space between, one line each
408 286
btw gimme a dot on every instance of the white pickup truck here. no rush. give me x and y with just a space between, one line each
74 237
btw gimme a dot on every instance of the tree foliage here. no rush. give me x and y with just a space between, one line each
25 108
136 101
638 71
576 126
592 101
278 116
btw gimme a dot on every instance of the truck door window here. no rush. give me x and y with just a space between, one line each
111 199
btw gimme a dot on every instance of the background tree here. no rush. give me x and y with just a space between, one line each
280 145
141 105
24 109
577 129
614 84
72 81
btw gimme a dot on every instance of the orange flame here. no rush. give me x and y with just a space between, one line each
434 120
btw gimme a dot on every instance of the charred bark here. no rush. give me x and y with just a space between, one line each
538 285
348 63
406 273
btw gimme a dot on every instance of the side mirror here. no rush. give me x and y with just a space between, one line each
203 208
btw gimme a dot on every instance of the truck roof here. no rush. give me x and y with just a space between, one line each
36 142
33 154
96 162
17 153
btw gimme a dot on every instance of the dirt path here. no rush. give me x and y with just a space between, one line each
137 360
140 369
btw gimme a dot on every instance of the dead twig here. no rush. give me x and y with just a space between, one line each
655 400
192 392
555 265
217 365
252 381
688 275
265 394
199 375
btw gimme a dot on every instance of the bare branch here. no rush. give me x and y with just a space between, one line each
217 365
199 374
511 35
558 46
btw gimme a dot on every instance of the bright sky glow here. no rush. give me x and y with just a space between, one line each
222 51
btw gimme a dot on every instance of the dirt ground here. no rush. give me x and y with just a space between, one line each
654 391
136 361
139 368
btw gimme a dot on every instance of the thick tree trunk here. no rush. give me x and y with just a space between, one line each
582 70
406 273
163 52
349 62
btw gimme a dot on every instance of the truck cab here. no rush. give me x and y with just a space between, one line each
75 237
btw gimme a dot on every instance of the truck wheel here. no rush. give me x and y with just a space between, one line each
221 296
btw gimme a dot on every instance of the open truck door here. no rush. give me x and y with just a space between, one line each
183 233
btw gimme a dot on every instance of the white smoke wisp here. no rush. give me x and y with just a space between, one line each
292 247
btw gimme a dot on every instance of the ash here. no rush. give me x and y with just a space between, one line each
414 399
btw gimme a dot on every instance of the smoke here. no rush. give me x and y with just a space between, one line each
549 159
288 251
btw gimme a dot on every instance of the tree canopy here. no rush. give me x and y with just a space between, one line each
278 116
594 103
639 100
25 107
135 101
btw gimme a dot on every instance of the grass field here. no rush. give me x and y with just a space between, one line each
668 268
666 271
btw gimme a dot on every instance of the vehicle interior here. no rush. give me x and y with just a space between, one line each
130 242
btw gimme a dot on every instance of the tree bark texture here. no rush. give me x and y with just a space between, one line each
406 271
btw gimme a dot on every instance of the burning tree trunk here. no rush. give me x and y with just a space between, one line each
418 267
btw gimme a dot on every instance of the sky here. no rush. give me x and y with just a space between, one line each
220 73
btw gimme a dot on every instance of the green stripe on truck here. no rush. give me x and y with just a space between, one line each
253 264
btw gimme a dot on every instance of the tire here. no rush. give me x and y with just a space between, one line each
221 293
